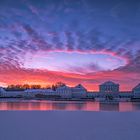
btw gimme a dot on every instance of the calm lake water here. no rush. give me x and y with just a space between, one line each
9 104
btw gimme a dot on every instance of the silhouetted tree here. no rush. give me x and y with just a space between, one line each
35 86
26 86
53 87
57 85
14 87
60 84
48 87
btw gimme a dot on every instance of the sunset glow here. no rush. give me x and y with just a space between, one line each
88 42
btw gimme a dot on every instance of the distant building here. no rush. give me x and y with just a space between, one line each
2 91
64 92
91 94
34 92
125 95
109 90
13 94
136 91
109 87
79 91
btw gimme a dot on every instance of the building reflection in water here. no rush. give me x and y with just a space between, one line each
68 105
136 106
125 106
109 106
49 105
59 105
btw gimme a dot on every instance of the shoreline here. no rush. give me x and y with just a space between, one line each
73 99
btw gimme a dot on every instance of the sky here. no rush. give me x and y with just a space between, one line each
72 41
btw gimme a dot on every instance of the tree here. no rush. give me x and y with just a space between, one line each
35 86
15 87
48 87
57 85
26 86
10 86
60 84
53 87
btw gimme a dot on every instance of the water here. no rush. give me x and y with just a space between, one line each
16 104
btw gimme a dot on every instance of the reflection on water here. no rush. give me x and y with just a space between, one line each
108 106
67 105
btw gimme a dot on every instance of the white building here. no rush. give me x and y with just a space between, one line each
92 94
64 92
79 91
109 89
2 91
125 95
34 92
13 94
136 91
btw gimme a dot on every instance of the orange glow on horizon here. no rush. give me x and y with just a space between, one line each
90 81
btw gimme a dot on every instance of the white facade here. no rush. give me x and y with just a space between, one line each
13 94
109 89
64 92
1 91
4 93
136 91
92 94
34 92
125 94
79 91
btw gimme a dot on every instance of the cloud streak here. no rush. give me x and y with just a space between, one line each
65 26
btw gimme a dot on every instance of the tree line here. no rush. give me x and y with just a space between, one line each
19 87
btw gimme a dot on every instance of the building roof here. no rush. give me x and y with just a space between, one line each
1 89
63 87
39 90
80 86
109 83
137 87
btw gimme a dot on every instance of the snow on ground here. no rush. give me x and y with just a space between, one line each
67 125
